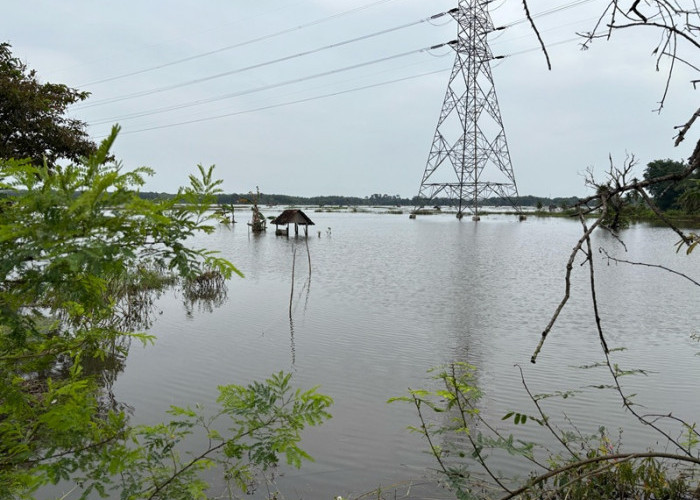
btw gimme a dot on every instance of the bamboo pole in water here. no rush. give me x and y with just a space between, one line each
291 295
308 254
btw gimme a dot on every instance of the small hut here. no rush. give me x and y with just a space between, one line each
292 216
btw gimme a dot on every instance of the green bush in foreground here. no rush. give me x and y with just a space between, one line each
81 255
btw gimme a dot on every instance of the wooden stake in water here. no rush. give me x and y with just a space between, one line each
308 254
291 295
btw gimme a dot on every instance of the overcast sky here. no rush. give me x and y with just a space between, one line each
307 126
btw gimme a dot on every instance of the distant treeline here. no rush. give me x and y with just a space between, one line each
375 199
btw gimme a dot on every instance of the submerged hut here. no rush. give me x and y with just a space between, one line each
292 216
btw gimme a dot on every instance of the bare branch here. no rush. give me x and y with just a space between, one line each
666 27
539 38
687 240
593 290
567 288
634 9
684 128
657 266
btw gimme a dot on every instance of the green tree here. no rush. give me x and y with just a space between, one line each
689 200
79 253
32 116
665 193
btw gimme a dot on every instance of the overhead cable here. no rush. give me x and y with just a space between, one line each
553 10
268 87
253 66
282 104
234 46
568 40
313 98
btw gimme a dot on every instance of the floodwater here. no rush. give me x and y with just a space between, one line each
387 298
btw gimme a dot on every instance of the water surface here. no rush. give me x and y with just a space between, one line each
387 298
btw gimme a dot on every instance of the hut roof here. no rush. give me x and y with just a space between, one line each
293 216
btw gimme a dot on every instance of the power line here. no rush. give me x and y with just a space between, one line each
498 42
290 57
279 105
266 87
237 45
534 49
310 77
300 54
255 66
548 12
309 99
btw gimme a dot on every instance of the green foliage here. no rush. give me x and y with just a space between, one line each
264 421
667 193
690 245
689 200
81 255
455 398
32 121
586 467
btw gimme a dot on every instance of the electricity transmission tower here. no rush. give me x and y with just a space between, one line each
469 159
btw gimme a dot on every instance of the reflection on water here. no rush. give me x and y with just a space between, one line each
393 297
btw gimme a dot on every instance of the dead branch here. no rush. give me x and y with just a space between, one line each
634 9
666 27
686 239
684 128
657 266
676 25
539 37
593 289
567 288
637 184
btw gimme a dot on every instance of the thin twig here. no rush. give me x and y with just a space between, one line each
435 451
628 405
545 419
462 412
657 266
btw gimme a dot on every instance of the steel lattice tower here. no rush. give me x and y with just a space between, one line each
469 158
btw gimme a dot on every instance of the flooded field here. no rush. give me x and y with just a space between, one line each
387 298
